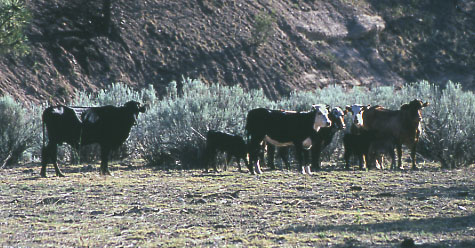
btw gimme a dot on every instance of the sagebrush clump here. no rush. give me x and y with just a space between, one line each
19 130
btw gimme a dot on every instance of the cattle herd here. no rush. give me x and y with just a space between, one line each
375 131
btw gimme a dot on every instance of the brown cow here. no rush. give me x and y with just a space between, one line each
404 125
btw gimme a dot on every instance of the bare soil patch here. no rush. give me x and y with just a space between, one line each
142 206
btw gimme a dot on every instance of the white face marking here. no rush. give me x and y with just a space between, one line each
357 111
321 118
277 143
337 112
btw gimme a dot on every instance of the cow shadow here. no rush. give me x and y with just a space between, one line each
429 225
457 192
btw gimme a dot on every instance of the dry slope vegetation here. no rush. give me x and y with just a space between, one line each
278 46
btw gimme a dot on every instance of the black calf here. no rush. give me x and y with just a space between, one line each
232 145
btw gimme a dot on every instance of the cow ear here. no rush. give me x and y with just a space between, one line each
328 107
367 107
348 108
425 104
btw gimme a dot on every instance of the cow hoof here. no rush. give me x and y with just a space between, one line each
43 175
259 171
60 175
415 168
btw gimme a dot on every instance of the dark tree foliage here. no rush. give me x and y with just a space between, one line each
14 16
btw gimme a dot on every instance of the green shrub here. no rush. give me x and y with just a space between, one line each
19 127
262 28
449 126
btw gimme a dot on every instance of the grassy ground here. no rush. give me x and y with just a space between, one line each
140 206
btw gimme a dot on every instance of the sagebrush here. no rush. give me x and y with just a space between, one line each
172 131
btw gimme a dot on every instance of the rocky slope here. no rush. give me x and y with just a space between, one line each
275 45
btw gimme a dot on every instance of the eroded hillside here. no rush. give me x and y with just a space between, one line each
275 45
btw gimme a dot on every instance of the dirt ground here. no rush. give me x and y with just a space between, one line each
146 207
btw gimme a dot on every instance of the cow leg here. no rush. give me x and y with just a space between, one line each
254 154
362 161
104 160
299 155
381 164
316 151
229 158
50 154
284 155
347 155
393 159
210 158
45 156
307 166
270 156
399 155
246 162
413 156
54 156
259 161
238 160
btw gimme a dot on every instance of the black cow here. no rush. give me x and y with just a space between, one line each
320 140
324 136
109 126
232 145
283 128
357 144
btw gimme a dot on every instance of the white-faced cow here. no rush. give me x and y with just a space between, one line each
320 140
108 126
357 111
232 145
403 125
283 128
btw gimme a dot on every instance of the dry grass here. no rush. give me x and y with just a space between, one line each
140 206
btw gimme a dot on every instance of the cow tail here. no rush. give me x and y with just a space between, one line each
247 133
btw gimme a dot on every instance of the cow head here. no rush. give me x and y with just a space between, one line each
321 117
357 112
134 108
413 109
337 117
